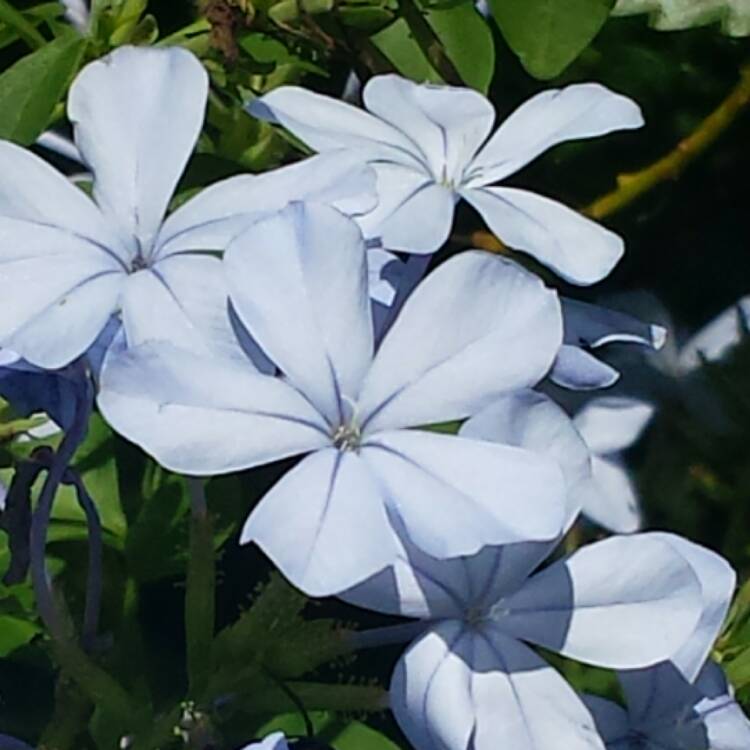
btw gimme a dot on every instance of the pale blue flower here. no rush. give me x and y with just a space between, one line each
476 328
430 148
69 263
469 681
666 712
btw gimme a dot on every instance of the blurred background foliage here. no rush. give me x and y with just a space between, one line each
688 243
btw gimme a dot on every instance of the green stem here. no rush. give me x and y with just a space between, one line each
670 167
428 42
100 687
13 18
200 592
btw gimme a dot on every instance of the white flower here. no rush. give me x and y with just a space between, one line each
471 682
477 327
666 712
69 263
426 144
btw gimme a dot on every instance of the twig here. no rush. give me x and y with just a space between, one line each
633 185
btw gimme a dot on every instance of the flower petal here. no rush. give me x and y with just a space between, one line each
610 424
595 326
211 219
417 585
299 282
327 124
458 689
476 327
718 580
31 190
624 602
531 420
610 499
576 248
403 195
612 722
324 524
202 416
657 695
447 123
58 291
455 495
137 114
184 300
583 110
578 370
726 725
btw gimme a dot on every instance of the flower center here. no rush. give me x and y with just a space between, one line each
138 263
347 437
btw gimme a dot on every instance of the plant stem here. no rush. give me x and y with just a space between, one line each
428 42
99 686
94 577
387 636
631 186
200 591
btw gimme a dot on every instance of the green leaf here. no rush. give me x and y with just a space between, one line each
30 89
672 15
548 35
465 36
16 20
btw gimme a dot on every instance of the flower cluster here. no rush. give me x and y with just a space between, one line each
267 317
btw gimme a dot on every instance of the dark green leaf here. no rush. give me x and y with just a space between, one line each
547 35
30 89
465 36
16 20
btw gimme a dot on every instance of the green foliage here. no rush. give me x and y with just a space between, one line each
671 15
548 35
461 31
31 89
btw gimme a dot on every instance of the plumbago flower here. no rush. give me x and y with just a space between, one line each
69 263
469 680
428 145
477 327
667 712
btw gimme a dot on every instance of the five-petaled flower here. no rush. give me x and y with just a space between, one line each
477 327
68 264
429 146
